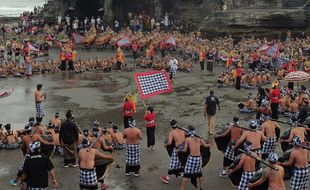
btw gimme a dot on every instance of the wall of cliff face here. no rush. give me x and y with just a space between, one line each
241 15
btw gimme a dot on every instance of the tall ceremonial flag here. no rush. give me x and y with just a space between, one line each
78 39
124 41
273 50
30 47
152 83
171 40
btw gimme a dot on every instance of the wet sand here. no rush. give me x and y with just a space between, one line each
99 96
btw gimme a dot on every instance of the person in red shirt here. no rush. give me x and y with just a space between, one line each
163 47
149 117
275 96
128 111
135 51
239 71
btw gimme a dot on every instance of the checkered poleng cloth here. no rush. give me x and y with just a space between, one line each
175 163
193 165
230 153
36 188
133 154
39 110
245 178
300 179
270 145
88 177
152 83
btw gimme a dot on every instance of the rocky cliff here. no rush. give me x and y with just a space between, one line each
241 15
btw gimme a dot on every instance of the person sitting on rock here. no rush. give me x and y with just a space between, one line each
249 106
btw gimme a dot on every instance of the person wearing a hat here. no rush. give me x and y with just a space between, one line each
120 59
254 136
248 164
177 137
296 130
235 132
37 168
10 140
133 137
86 160
128 111
299 159
56 121
68 137
275 178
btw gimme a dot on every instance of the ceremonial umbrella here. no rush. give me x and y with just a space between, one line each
297 76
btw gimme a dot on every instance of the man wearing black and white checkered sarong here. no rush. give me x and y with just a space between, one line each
247 164
193 166
176 139
86 158
269 127
229 155
39 98
133 137
299 159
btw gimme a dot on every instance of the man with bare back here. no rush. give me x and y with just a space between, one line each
39 97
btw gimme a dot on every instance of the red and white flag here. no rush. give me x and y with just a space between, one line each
124 41
30 47
78 39
152 83
171 40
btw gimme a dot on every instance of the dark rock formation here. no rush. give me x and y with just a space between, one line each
241 15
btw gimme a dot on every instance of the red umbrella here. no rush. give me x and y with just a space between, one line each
297 76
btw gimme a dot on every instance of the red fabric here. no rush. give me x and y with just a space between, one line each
163 45
275 96
254 56
128 108
239 71
134 47
150 119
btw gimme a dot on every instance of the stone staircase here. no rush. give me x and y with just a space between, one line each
293 3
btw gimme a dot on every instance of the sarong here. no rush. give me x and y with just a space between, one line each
230 153
246 110
175 166
118 146
245 178
36 188
132 157
300 179
39 110
270 145
69 151
88 179
11 146
193 167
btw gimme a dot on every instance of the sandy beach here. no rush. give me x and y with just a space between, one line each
99 96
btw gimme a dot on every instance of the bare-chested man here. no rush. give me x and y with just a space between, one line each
248 164
229 155
86 160
39 98
10 140
193 166
275 178
176 138
269 130
254 137
56 121
118 139
299 159
250 105
293 108
296 130
100 142
133 137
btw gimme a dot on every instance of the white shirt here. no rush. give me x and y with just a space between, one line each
59 18
93 21
116 24
98 20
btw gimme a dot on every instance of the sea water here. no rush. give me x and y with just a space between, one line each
13 8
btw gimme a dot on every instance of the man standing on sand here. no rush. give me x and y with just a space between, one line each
86 158
128 111
133 137
68 137
210 110
39 98
37 168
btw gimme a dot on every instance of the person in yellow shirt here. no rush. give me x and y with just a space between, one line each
119 58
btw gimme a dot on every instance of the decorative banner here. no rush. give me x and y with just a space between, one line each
30 47
171 40
297 76
78 39
124 41
273 51
263 47
152 83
